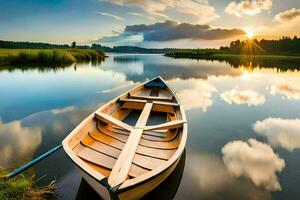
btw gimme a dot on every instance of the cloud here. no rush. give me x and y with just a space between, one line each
287 89
288 24
280 132
288 15
199 96
254 160
199 9
249 97
152 7
17 142
110 15
171 30
141 15
248 7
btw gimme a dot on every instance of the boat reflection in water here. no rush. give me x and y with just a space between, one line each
166 190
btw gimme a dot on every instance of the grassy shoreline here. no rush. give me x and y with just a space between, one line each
22 187
280 62
220 55
48 57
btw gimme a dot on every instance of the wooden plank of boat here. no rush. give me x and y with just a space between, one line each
108 119
119 172
145 101
128 160
151 98
172 144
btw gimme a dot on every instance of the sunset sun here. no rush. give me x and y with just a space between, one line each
249 33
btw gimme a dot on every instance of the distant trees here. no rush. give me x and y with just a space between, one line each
31 45
73 45
38 45
130 49
285 45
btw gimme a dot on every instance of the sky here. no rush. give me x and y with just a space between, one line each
148 23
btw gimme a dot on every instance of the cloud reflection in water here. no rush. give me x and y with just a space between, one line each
289 90
254 160
17 142
249 97
195 93
280 132
206 177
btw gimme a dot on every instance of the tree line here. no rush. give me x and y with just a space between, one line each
31 45
116 49
131 49
284 45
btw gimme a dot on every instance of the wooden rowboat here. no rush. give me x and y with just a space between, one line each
130 145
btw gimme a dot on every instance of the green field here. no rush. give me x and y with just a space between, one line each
48 57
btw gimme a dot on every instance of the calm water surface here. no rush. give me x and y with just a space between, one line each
244 123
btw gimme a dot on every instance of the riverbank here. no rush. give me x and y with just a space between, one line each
21 187
281 62
219 54
48 57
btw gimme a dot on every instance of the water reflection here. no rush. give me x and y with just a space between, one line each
169 68
254 160
24 68
206 177
280 132
249 97
45 106
127 58
18 143
289 90
118 87
280 63
194 93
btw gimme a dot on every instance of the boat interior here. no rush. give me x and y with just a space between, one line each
131 135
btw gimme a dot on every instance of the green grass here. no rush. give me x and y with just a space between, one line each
48 57
22 187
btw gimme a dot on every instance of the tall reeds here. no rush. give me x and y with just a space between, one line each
49 57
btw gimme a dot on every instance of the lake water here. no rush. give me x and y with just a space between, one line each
244 122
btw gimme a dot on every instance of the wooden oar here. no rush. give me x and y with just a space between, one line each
31 163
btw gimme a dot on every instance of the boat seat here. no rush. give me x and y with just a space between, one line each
167 125
109 119
166 103
145 101
151 97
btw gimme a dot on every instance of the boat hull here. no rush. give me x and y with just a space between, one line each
120 160
132 193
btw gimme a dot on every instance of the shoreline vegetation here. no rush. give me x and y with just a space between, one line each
22 187
48 57
283 53
280 62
